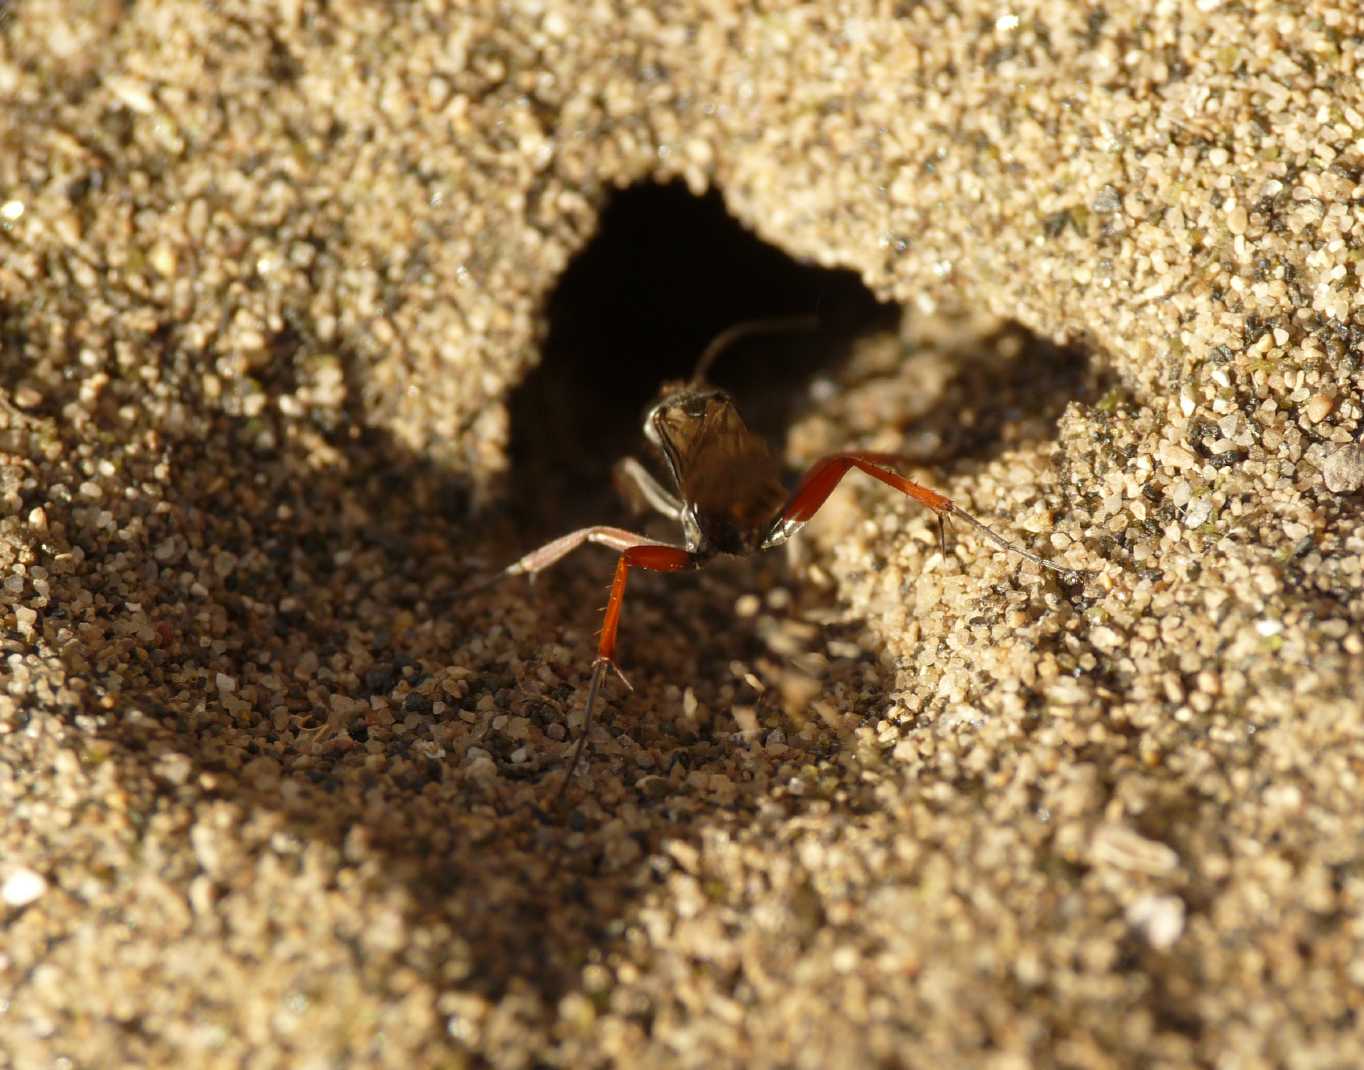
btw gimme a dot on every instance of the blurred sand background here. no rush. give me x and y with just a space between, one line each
270 277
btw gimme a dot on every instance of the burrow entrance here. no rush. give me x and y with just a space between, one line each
666 273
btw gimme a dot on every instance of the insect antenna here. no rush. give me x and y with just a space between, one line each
726 338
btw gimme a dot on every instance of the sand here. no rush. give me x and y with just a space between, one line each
275 790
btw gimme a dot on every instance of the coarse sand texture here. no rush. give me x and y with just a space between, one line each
280 285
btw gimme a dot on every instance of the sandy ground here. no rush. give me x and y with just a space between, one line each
274 791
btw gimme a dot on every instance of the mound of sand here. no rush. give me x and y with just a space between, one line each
267 276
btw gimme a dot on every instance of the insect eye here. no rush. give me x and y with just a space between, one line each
697 405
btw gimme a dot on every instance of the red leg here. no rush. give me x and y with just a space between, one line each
825 474
656 558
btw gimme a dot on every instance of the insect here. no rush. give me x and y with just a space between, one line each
725 491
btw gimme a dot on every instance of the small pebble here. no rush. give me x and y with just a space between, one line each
27 397
1318 408
1106 201
1158 918
1343 471
22 887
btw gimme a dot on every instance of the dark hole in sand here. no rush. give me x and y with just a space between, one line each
666 272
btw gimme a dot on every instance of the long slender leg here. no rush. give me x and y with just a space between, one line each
657 558
650 489
543 557
824 475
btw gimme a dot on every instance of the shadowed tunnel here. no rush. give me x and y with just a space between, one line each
667 272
